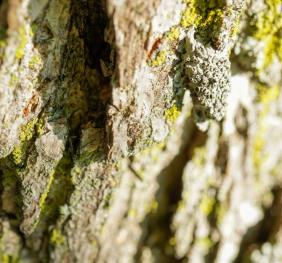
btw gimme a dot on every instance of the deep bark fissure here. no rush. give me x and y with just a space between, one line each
90 19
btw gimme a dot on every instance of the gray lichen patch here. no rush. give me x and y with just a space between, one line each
209 30
208 78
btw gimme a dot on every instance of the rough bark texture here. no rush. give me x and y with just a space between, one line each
140 131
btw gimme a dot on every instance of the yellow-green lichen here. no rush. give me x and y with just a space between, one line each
57 238
35 61
27 130
4 258
268 29
39 126
199 156
173 33
13 80
190 15
46 191
220 211
2 43
207 204
132 213
152 207
59 179
23 41
203 15
26 134
204 242
235 28
159 59
172 113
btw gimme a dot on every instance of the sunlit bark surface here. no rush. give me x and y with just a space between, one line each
140 131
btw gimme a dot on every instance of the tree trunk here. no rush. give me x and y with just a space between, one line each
140 131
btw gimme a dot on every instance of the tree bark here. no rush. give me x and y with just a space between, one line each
140 131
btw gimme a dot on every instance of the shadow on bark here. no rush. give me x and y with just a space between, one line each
265 230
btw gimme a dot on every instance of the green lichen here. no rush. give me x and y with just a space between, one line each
220 211
159 59
235 28
268 29
199 156
190 15
4 258
2 43
152 207
13 80
23 41
207 204
26 133
46 190
54 198
34 62
132 213
173 33
27 130
206 16
56 237
172 113
39 126
205 242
